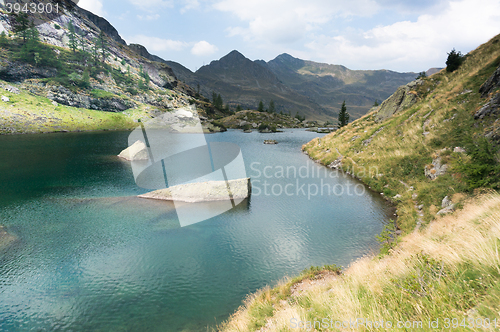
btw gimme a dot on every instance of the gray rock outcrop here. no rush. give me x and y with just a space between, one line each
104 25
447 206
12 71
204 191
490 108
435 169
491 83
404 97
66 97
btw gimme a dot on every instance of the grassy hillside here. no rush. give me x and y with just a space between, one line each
392 155
445 265
26 113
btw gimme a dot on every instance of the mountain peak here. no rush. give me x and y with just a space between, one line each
285 56
233 55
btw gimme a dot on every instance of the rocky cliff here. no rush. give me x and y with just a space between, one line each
127 78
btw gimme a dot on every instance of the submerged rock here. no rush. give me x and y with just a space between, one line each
6 238
137 151
270 141
204 191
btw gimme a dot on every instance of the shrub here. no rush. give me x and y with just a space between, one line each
132 91
481 169
220 125
313 271
455 59
386 237
422 74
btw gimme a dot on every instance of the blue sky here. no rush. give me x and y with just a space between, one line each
359 34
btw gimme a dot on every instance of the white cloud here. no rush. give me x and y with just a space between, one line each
203 48
155 44
94 6
189 4
152 4
152 17
413 45
285 21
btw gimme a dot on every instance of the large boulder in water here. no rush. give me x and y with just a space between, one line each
137 151
204 191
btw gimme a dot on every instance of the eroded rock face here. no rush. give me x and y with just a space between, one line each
491 108
404 97
204 191
491 83
18 72
66 97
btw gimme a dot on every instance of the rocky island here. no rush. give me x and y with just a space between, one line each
204 191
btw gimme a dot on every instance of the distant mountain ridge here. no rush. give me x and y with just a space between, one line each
313 89
329 85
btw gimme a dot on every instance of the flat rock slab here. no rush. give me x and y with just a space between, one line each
137 151
204 191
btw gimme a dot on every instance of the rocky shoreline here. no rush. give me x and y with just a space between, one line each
337 165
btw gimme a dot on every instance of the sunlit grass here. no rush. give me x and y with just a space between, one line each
451 269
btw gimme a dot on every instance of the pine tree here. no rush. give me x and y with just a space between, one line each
73 42
261 107
21 26
83 49
271 106
103 47
343 116
220 103
30 50
95 51
238 108
3 38
144 74
455 59
86 79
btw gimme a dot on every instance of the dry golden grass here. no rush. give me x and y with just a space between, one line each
469 236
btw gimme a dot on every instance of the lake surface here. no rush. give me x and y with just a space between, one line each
92 257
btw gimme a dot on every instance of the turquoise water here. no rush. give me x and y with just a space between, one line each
92 257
